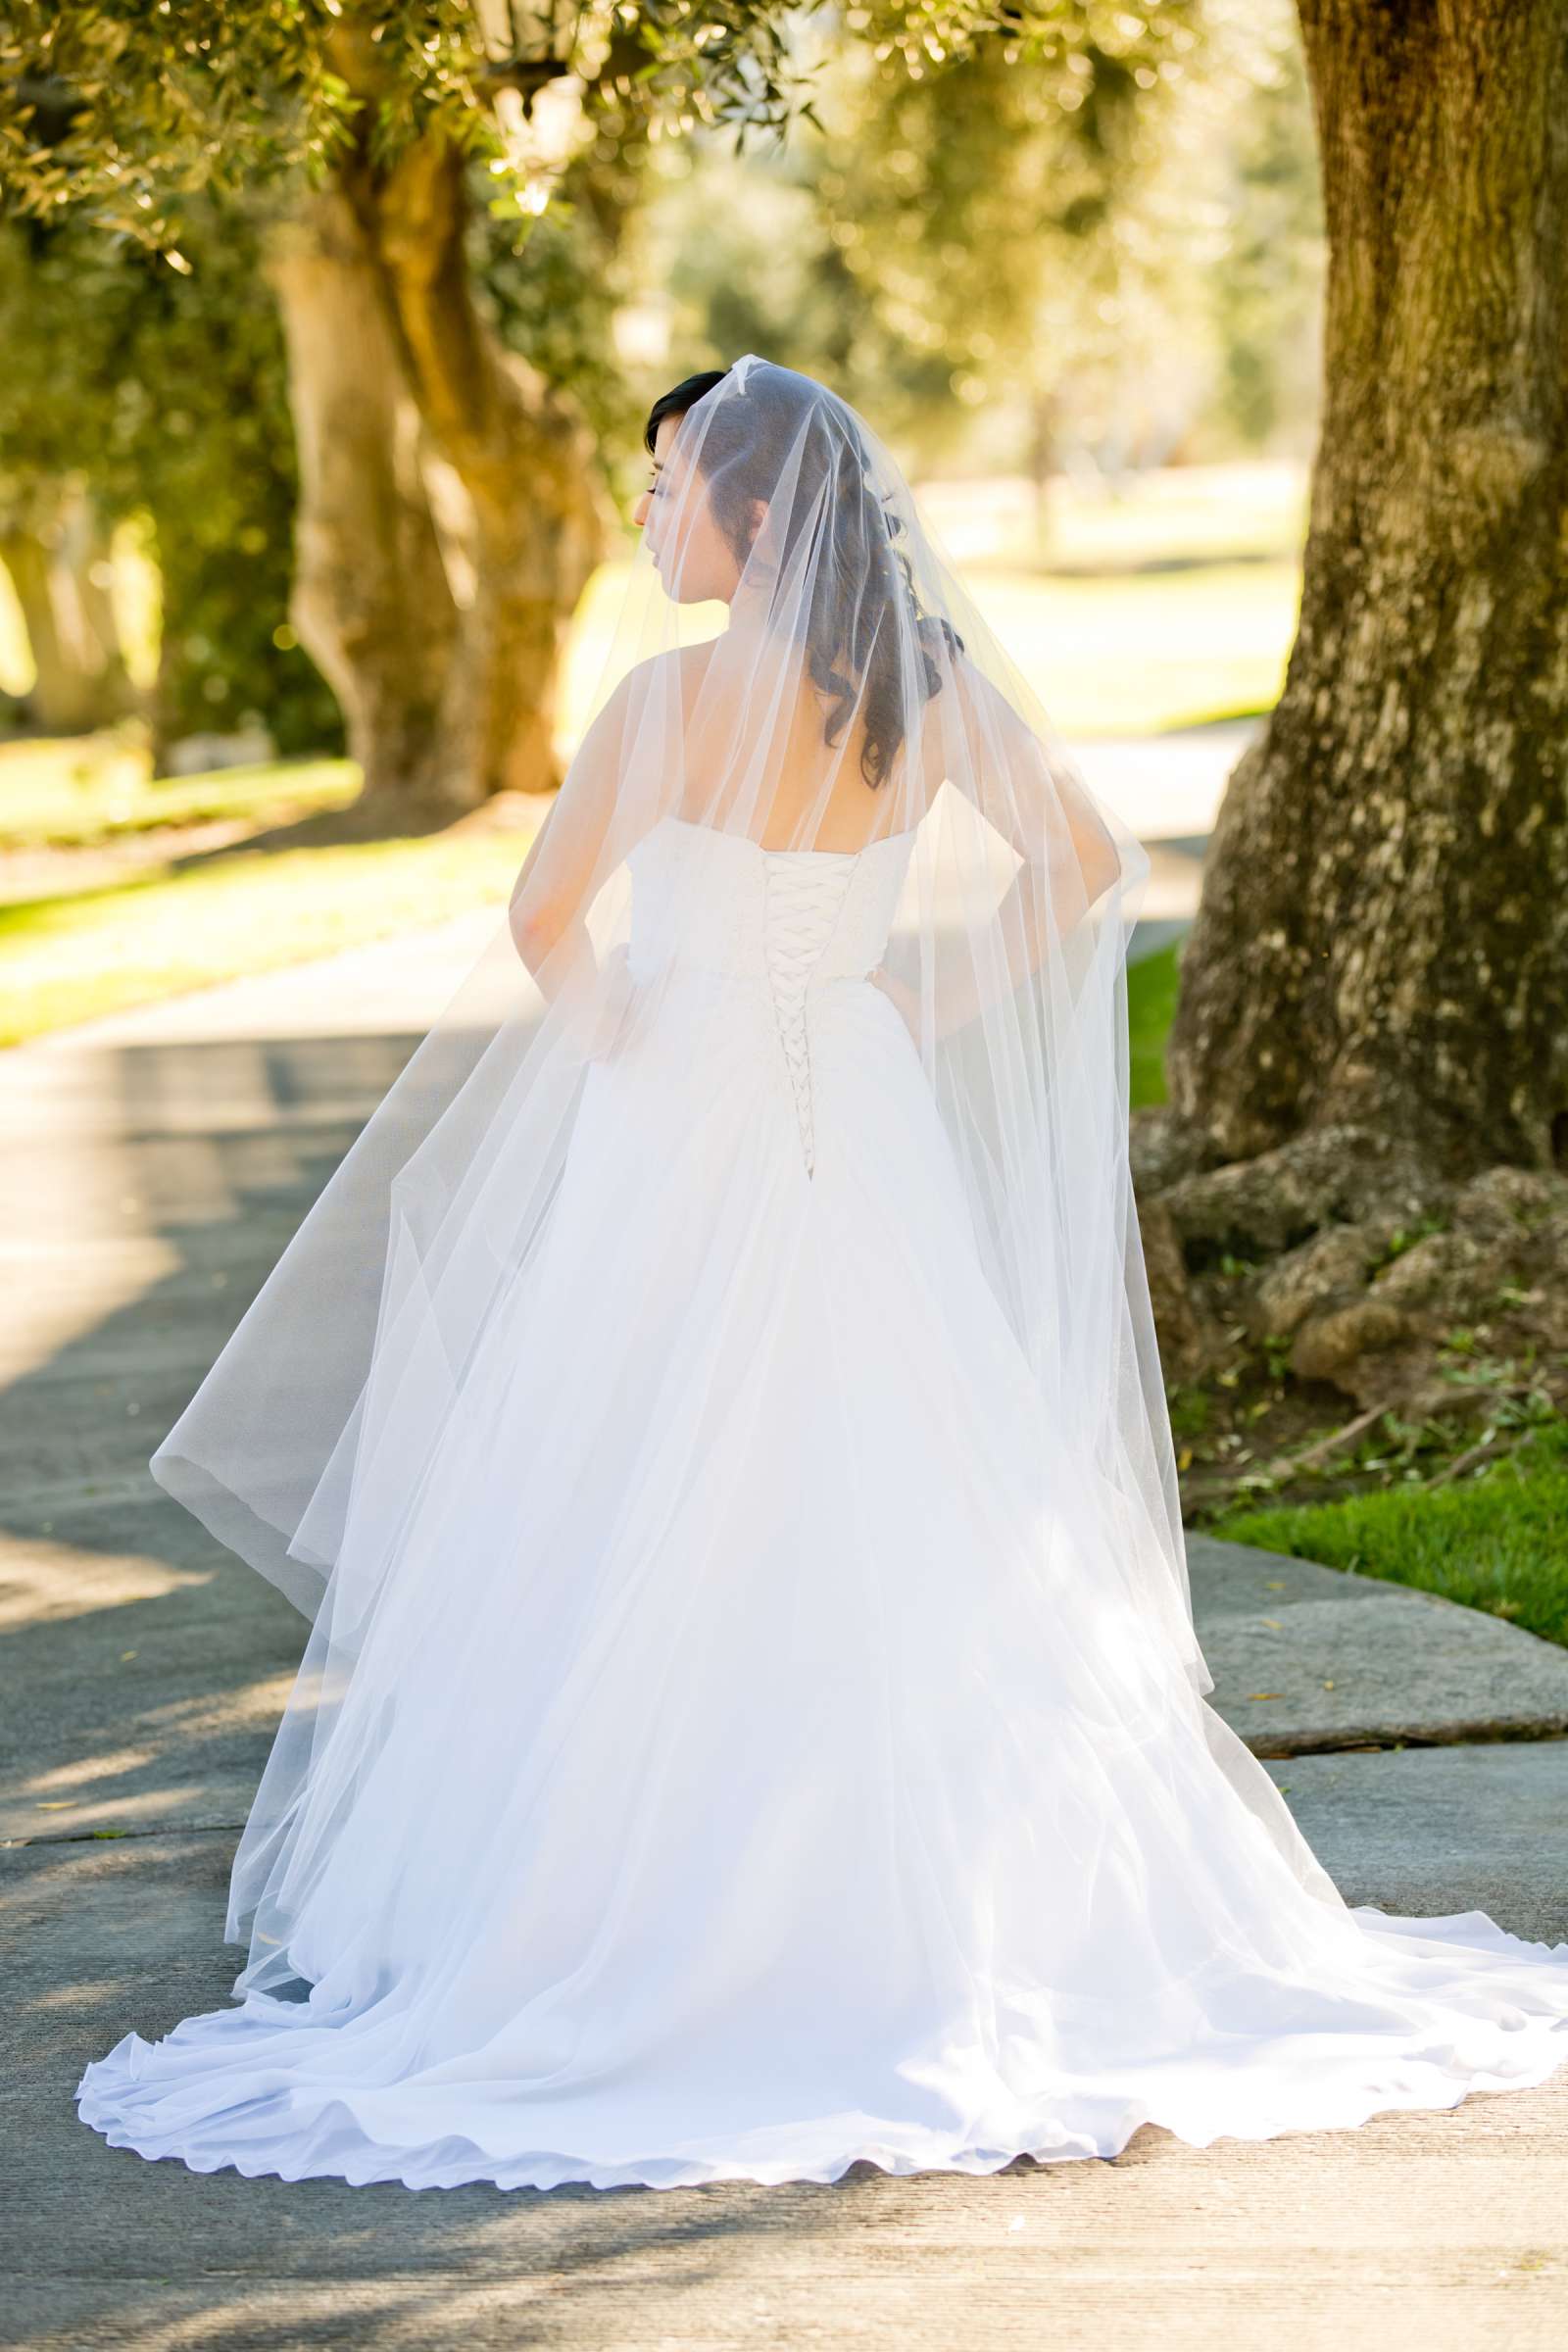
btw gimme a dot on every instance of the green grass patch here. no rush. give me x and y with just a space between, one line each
70 959
1133 656
1497 1540
72 795
1151 984
1179 515
1171 517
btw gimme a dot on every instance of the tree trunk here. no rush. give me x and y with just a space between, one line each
84 555
59 701
1383 939
1043 437
372 602
525 461
52 552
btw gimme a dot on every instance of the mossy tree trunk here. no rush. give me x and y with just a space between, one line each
1383 939
1361 1177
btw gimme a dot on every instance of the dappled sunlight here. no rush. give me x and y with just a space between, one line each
205 1715
70 1999
67 959
89 790
47 777
87 1287
147 1669
89 1769
668 1683
119 1733
53 1584
76 1235
73 1815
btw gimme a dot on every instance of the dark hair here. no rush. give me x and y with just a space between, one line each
678 400
850 650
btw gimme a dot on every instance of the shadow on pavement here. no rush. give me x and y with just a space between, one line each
161 1184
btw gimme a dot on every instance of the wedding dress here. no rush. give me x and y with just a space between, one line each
751 1721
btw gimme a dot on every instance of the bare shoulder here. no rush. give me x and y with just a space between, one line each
687 667
680 666
666 681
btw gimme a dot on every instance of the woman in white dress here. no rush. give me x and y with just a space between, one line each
750 1719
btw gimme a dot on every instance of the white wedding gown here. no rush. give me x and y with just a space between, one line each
768 1787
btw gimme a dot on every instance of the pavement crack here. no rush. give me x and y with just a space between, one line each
175 1829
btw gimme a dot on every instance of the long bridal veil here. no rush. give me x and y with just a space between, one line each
795 664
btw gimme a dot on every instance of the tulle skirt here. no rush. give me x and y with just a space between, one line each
750 1763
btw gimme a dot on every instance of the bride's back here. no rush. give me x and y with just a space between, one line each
812 795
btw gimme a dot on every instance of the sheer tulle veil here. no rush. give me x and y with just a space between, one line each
794 663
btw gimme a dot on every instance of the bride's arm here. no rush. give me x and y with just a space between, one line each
587 833
563 868
625 775
1068 856
1034 801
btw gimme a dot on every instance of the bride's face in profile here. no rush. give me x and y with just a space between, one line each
695 559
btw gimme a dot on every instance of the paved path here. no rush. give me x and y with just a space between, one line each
150 1169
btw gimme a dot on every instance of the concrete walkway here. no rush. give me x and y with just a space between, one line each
151 1167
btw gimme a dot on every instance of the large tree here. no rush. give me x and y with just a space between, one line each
130 390
371 122
1371 1044
59 406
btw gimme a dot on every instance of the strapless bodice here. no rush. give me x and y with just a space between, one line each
719 903
787 921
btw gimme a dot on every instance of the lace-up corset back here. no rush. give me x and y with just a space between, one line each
789 922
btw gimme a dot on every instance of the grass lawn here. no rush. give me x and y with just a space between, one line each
1173 515
1133 656
1179 515
1497 1540
68 958
1150 1010
75 794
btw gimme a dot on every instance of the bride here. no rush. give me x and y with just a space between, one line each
752 1718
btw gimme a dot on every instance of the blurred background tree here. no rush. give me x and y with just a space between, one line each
1087 258
450 506
450 200
137 393
64 309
